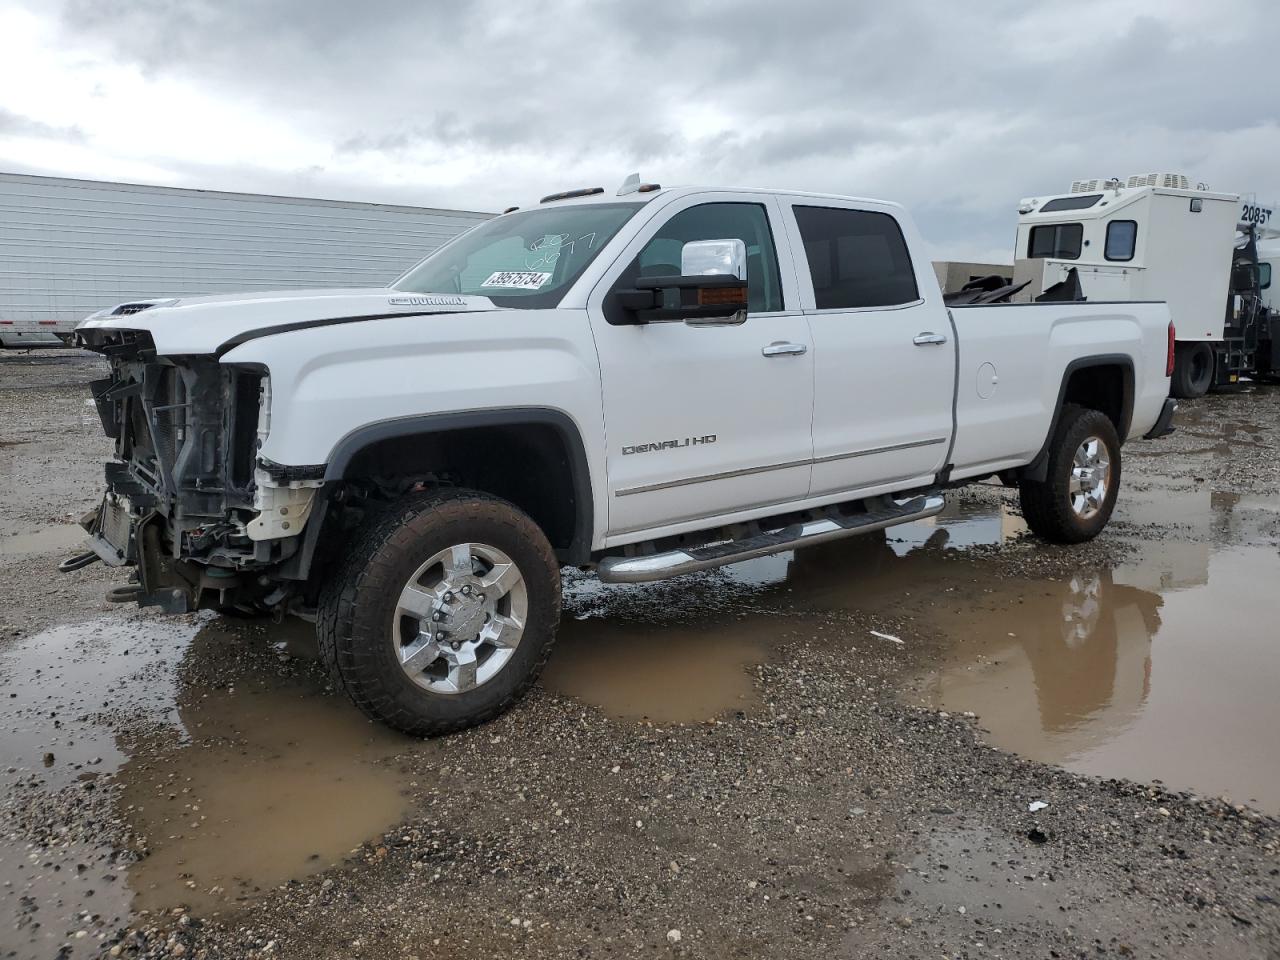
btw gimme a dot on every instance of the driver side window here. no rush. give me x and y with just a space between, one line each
748 222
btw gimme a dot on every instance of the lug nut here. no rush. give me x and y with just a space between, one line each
455 644
436 616
466 591
448 596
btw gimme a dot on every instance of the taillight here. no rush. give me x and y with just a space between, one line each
1168 363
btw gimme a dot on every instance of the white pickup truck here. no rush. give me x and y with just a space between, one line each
645 384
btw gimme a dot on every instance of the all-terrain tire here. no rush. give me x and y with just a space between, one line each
1047 504
1192 370
356 616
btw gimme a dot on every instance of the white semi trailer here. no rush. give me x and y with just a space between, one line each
1161 237
71 247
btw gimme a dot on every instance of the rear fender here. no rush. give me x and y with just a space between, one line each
1038 467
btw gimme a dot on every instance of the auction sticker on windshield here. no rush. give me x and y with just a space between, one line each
516 279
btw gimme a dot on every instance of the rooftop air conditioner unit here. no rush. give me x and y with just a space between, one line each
1169 181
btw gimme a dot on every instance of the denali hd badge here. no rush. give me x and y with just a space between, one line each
668 445
426 301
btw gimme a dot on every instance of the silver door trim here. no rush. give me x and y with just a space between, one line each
766 468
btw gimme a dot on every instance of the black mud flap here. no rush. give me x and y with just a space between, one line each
1164 425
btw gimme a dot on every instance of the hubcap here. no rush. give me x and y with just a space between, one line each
1090 478
460 618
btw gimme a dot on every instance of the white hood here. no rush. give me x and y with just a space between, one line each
200 325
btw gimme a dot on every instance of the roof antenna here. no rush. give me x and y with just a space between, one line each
629 185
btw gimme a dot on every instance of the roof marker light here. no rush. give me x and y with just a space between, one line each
570 194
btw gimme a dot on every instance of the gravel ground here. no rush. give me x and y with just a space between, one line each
825 815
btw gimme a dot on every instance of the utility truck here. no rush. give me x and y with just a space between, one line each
645 384
1161 237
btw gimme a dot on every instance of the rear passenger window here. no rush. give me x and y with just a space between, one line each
1121 235
857 258
1057 241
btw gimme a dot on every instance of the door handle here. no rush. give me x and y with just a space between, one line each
781 348
929 338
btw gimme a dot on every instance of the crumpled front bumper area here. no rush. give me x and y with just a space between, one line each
126 531
181 491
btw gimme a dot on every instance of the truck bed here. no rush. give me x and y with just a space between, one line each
1007 382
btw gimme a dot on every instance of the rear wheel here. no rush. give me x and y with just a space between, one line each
443 614
1192 370
1075 499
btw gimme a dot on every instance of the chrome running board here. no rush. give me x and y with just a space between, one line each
659 566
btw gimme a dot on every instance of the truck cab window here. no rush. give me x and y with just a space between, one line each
1071 203
527 259
1057 241
857 258
1121 238
748 222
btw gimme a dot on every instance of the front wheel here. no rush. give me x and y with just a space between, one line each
1075 499
443 614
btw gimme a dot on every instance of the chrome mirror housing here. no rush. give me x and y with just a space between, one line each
721 258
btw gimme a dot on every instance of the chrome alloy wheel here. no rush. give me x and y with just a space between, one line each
1090 478
460 618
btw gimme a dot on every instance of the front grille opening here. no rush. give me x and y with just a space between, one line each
245 393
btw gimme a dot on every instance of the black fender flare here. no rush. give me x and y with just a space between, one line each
579 551
1036 469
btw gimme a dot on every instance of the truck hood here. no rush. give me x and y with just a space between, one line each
204 325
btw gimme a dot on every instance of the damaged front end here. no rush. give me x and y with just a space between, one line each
189 505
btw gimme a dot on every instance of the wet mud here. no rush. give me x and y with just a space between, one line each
685 673
1161 665
227 782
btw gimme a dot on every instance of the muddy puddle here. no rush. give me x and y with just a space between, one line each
210 751
678 673
1163 666
1103 675
60 538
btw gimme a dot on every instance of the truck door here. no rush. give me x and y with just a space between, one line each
713 420
884 352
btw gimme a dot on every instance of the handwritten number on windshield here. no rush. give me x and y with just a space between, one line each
546 251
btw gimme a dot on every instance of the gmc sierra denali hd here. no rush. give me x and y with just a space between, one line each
644 384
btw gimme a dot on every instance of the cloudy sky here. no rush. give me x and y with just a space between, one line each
956 109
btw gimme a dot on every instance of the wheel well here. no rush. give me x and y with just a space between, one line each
530 464
1098 383
1106 387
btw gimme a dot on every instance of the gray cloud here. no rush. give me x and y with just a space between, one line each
955 111
19 125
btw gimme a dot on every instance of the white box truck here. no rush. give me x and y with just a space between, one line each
1159 236
70 247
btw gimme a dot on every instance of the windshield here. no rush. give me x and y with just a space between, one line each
521 259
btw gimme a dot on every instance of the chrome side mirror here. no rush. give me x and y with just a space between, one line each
710 290
721 258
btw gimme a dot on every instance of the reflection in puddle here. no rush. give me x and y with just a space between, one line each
1117 681
1160 667
667 673
235 772
963 523
56 689
59 687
